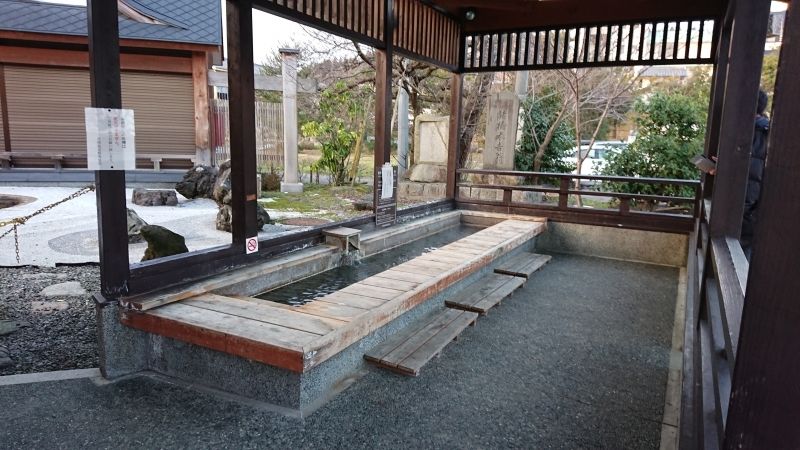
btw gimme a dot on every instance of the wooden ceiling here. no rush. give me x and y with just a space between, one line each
527 14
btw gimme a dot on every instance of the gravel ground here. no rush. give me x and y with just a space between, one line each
58 332
578 358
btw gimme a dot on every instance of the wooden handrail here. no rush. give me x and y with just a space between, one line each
517 173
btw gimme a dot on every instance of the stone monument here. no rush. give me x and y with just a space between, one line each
501 131
428 175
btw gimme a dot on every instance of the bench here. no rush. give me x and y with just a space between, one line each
484 294
58 159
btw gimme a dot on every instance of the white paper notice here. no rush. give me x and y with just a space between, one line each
110 139
387 181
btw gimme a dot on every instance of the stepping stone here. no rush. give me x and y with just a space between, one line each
410 349
10 326
485 293
68 289
523 265
5 358
46 307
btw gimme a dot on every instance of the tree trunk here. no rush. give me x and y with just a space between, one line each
477 96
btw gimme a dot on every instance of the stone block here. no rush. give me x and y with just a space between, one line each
431 191
428 173
154 197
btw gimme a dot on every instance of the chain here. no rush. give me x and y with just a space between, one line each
22 220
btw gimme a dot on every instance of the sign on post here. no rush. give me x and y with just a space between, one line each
386 211
110 139
251 245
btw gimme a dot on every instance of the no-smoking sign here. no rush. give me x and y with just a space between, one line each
251 245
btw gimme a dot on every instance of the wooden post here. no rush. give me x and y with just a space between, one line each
106 90
383 99
241 97
738 116
453 145
717 97
765 398
202 128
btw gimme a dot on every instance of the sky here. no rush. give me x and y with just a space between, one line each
271 32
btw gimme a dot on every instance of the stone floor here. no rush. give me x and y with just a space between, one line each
578 358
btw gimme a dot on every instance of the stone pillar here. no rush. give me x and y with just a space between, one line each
289 70
402 132
521 89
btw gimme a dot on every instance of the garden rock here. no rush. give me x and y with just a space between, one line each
162 242
198 182
68 289
222 186
224 217
135 224
154 197
363 204
222 195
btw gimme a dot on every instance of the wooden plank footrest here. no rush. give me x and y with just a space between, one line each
523 265
485 293
409 350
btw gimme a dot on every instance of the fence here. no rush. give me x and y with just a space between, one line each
269 132
677 215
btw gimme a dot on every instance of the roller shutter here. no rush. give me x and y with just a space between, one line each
46 111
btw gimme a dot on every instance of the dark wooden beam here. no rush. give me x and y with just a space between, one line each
106 89
383 99
717 100
80 59
765 397
241 95
737 123
453 150
494 15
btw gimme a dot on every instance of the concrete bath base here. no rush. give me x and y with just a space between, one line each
125 351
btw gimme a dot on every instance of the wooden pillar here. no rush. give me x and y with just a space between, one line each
738 116
202 126
241 97
765 396
383 99
106 90
717 96
454 141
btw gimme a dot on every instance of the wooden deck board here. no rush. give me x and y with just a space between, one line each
366 290
321 309
265 313
485 293
235 325
353 300
523 265
388 282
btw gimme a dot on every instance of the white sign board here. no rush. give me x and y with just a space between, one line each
387 180
251 245
110 139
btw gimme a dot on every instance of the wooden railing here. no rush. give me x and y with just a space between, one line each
671 213
717 269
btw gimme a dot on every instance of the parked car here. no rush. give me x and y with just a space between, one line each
596 159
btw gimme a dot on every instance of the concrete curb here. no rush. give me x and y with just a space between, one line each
41 377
